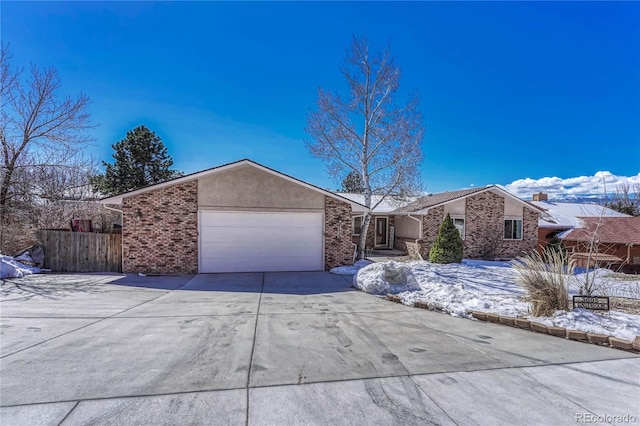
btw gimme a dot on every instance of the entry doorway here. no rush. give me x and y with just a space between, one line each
382 232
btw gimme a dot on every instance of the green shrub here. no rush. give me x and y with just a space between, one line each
448 245
545 277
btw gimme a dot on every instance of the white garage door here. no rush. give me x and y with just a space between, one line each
253 242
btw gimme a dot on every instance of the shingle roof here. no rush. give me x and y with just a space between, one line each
439 198
389 204
610 230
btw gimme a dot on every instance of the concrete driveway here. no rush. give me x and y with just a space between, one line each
283 348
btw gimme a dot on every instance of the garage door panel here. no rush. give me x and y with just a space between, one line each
232 236
246 220
241 236
256 251
249 241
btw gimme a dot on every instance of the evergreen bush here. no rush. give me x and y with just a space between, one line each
448 245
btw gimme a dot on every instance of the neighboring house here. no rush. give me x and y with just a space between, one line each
239 217
613 240
558 217
492 222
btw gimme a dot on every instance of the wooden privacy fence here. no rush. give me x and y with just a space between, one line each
66 251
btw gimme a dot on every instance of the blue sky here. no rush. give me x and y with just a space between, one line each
509 90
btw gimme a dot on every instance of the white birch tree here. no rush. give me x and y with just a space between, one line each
368 131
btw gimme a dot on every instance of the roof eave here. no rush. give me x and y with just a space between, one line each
118 199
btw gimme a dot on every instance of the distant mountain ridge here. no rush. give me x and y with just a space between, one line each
583 199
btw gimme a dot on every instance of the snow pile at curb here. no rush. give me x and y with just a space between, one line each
383 278
11 268
458 288
456 300
484 286
351 269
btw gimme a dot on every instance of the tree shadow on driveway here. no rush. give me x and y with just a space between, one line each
51 286
59 285
300 283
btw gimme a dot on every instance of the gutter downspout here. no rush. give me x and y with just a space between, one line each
420 232
121 239
355 251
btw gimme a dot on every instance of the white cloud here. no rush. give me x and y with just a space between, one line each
580 186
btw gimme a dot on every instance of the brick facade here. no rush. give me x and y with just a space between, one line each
410 246
160 230
338 249
484 225
400 243
430 226
484 229
514 248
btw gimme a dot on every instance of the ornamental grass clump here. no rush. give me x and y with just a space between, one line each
546 280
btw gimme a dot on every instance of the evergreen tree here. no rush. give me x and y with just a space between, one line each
353 183
141 159
448 245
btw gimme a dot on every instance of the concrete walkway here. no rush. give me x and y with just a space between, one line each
283 348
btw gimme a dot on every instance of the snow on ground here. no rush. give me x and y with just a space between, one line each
386 277
351 269
11 268
491 287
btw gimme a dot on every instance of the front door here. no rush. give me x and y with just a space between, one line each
381 232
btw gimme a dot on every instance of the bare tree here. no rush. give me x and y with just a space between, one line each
367 132
626 199
41 135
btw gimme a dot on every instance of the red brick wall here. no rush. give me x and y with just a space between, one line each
400 243
160 230
338 249
430 225
484 229
484 223
370 235
514 248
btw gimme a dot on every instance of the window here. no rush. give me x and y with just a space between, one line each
513 229
459 224
357 224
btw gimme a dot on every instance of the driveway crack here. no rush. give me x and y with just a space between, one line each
69 413
84 326
253 347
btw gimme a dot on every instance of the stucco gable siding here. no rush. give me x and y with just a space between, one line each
247 187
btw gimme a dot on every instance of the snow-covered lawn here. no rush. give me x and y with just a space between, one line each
12 268
491 287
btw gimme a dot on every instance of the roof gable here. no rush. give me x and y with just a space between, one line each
117 199
427 202
389 204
